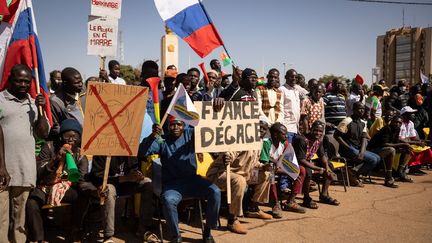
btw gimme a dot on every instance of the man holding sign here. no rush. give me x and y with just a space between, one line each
240 165
179 179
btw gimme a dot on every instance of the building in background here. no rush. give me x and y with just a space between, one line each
403 53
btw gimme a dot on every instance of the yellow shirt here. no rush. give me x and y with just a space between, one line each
376 126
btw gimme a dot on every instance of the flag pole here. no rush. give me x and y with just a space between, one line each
217 34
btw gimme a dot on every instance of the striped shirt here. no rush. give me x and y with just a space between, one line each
335 109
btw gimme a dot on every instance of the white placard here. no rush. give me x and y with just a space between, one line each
106 8
102 36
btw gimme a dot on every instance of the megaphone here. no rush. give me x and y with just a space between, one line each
71 168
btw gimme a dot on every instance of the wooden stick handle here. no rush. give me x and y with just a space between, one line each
102 62
105 177
228 181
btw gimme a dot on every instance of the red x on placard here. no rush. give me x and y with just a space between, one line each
122 141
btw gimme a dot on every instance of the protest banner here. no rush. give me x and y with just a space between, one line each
102 36
113 119
234 128
106 8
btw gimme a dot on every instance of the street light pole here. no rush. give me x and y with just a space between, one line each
284 64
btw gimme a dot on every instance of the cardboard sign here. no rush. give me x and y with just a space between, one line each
102 36
234 128
106 8
113 119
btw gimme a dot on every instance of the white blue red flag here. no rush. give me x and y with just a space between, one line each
288 163
19 44
189 20
182 108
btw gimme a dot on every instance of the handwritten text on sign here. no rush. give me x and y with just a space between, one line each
113 119
106 8
102 36
234 128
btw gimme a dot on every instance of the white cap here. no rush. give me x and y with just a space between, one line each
407 109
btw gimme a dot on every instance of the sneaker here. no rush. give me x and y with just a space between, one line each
277 211
258 214
108 239
237 228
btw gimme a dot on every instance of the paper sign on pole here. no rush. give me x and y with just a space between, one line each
106 8
234 128
102 36
113 119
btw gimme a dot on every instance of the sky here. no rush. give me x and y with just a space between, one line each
315 37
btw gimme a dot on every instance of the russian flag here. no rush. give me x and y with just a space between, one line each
189 20
19 44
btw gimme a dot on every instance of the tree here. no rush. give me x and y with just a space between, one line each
129 74
329 77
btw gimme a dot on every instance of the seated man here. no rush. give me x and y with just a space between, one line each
351 135
242 163
124 179
305 147
272 150
422 154
53 186
387 139
179 179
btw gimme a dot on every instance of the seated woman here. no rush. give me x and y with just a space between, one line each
53 186
305 146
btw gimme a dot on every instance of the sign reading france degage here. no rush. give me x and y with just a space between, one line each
234 128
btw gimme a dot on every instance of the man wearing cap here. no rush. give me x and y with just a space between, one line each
270 98
54 186
408 134
21 122
213 87
179 179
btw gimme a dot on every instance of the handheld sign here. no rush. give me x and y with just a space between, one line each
234 128
102 36
113 119
106 8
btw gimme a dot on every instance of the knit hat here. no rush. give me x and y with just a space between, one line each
248 72
70 125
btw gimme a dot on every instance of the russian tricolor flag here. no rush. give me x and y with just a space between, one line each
19 44
188 19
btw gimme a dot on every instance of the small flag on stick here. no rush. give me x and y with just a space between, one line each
288 163
226 60
182 108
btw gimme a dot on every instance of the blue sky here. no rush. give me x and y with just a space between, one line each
315 37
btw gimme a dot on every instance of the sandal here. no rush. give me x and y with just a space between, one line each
293 207
150 237
329 200
405 178
309 203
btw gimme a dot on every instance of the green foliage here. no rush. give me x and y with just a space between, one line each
329 77
129 74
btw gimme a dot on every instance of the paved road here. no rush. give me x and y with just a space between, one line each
371 214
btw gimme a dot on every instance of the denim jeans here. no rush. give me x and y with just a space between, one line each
369 162
191 187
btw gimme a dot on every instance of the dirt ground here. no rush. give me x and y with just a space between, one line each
371 214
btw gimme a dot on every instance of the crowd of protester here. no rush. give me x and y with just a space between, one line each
381 129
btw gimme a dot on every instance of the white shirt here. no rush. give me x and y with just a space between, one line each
291 109
407 130
118 80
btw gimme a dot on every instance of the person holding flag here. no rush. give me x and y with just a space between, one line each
176 150
21 121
